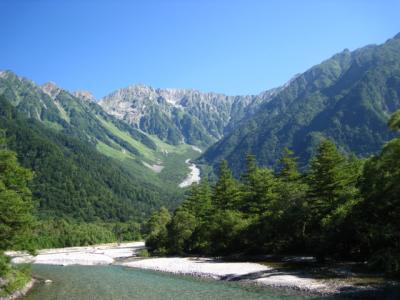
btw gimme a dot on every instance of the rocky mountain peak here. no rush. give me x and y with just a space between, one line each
84 95
139 89
7 74
177 115
3 74
51 89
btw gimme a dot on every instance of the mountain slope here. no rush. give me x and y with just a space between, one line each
346 98
70 138
71 178
181 115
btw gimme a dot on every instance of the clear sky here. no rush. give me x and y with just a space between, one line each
233 47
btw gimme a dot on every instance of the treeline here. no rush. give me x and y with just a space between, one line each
59 233
340 208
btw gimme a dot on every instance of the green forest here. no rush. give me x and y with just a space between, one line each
341 207
80 196
16 218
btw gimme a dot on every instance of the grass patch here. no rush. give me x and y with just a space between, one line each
143 253
53 125
145 151
171 157
112 152
16 278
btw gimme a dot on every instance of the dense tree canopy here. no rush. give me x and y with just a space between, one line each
16 206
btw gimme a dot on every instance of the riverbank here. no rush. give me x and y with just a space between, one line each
335 280
15 282
105 254
235 271
269 274
20 292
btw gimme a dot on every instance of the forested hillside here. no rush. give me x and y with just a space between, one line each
341 208
88 165
347 98
71 178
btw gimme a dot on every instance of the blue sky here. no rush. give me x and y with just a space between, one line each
233 47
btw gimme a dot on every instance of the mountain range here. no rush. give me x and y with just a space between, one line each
124 155
181 115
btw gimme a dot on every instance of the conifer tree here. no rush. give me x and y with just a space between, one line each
258 189
289 171
326 178
327 185
249 187
226 192
198 203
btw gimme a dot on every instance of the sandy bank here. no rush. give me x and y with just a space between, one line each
90 255
233 271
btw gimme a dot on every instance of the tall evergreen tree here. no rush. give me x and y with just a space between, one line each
198 202
249 188
327 182
289 170
326 178
226 192
258 189
289 214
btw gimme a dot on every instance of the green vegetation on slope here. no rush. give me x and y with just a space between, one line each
347 98
66 141
71 178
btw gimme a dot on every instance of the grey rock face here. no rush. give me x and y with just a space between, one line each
193 116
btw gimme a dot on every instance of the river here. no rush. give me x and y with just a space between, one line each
193 177
116 282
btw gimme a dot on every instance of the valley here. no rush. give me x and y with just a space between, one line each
277 189
160 141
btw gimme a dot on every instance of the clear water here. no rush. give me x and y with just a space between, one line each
114 282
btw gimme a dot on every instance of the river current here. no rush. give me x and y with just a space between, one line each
115 282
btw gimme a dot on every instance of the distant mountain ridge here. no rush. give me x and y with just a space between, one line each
181 115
